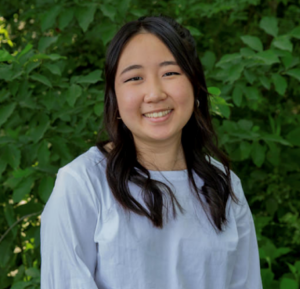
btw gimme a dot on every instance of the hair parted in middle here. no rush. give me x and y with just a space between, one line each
199 139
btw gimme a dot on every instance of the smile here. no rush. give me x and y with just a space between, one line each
158 114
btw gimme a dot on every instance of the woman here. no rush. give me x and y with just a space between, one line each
107 223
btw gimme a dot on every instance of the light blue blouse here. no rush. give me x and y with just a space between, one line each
89 242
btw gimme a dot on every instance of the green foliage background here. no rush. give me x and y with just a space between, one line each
51 102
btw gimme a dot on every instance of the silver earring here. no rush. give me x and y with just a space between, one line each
198 102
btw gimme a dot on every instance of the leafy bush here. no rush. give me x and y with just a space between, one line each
51 102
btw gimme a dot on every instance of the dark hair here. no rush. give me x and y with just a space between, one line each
198 135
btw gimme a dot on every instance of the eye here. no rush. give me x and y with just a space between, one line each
133 78
137 77
176 73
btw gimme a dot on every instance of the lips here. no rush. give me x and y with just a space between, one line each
157 114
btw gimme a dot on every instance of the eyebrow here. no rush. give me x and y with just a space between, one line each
137 66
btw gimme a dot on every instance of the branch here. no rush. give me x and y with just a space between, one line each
18 221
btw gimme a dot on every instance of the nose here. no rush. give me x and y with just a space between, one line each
154 91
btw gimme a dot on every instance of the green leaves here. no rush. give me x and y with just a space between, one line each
280 83
4 94
294 136
85 15
234 72
92 77
5 56
269 25
268 57
38 131
98 108
5 253
252 93
245 149
41 78
294 73
270 252
295 32
258 154
245 124
214 91
33 272
287 60
45 188
219 105
275 139
27 48
267 277
44 56
73 93
10 217
208 59
109 11
253 42
5 112
237 96
65 17
194 31
48 19
6 72
228 58
265 81
283 42
22 189
11 155
60 147
54 69
45 42
123 6
288 283
106 31
43 153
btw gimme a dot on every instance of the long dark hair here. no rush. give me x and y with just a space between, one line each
199 140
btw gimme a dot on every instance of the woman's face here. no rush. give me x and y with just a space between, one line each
155 98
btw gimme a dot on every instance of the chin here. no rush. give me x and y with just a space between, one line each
160 138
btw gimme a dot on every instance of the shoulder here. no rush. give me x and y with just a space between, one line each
235 184
78 183
234 178
86 174
84 171
88 162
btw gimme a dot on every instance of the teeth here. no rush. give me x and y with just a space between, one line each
158 114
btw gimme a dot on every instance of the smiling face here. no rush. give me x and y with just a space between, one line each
155 98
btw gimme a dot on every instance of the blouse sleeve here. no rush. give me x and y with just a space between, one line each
246 272
68 221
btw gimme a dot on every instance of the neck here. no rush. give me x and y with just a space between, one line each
167 156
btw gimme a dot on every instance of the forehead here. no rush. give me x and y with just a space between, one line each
144 47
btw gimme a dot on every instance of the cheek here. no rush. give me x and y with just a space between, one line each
128 101
184 95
